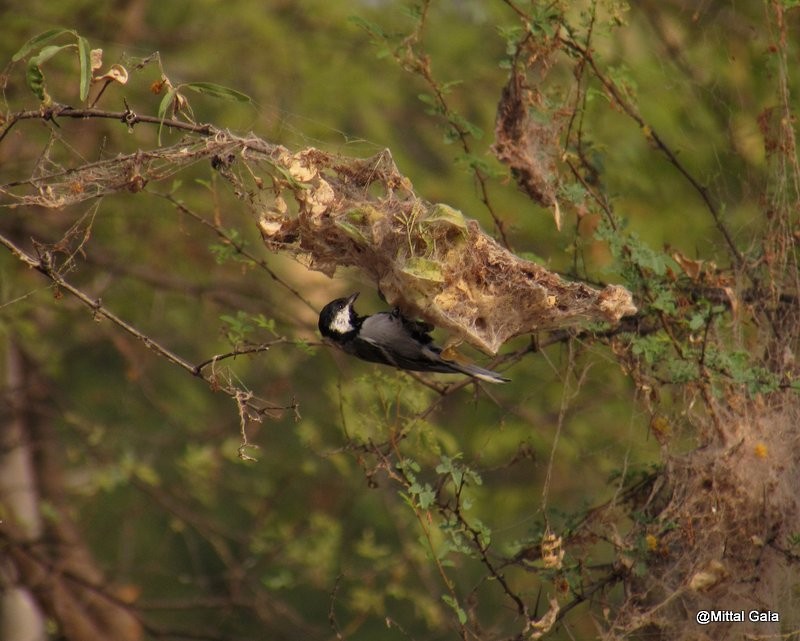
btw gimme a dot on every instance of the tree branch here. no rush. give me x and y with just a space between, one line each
44 266
129 117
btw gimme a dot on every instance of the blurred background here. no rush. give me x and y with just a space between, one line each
314 539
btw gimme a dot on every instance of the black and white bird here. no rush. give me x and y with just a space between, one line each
391 339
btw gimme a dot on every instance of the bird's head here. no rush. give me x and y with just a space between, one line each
338 318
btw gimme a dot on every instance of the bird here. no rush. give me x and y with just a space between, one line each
391 339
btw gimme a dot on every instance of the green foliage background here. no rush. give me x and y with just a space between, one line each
315 536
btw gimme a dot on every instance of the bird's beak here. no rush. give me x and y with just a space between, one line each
352 299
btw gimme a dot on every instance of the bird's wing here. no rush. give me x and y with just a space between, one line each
385 338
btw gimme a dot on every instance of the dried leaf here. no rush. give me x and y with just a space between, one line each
542 626
116 72
96 59
733 300
552 551
708 577
301 172
692 268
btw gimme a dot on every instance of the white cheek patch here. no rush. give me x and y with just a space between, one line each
341 322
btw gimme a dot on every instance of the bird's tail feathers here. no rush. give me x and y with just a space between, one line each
479 372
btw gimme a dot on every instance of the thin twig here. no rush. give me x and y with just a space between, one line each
252 349
238 246
44 265
652 135
418 64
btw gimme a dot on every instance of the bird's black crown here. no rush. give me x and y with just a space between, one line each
338 318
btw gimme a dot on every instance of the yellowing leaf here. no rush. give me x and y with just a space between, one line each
423 269
446 214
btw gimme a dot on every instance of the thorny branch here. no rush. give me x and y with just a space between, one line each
130 118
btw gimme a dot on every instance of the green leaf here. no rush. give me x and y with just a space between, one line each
424 494
217 91
293 182
34 42
427 98
471 128
435 108
372 28
265 323
46 53
462 616
451 134
441 213
478 162
423 269
413 11
697 321
532 257
84 56
446 87
147 474
34 78
304 347
351 230
166 101
238 327
574 192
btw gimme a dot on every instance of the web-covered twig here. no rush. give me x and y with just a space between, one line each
331 211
